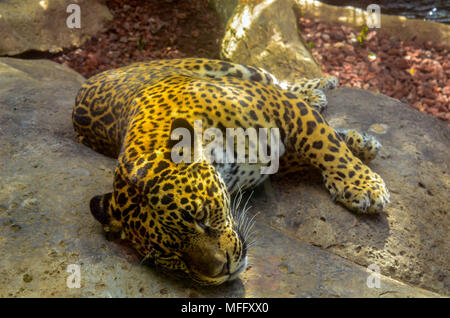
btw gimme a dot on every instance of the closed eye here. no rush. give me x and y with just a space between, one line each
208 230
202 225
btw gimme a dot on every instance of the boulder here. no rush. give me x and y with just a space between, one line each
265 34
306 246
41 25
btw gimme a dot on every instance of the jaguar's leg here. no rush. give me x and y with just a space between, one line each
315 98
328 82
311 90
348 180
362 145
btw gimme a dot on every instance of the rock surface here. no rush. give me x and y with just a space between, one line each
41 25
265 34
307 246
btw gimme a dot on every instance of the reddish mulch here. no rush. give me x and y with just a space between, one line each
414 72
144 30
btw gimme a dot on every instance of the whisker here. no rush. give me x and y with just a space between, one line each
244 222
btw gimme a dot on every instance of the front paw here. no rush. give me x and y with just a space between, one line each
329 82
365 193
317 99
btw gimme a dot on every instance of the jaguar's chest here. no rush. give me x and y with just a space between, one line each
242 174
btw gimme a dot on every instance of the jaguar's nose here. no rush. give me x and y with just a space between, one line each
208 261
225 268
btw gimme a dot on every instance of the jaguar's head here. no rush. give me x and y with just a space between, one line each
183 220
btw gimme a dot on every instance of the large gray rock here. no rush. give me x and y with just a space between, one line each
307 245
41 25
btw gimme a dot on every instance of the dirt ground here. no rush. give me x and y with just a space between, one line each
147 30
414 72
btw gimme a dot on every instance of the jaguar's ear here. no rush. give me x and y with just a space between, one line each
101 210
181 141
181 131
100 206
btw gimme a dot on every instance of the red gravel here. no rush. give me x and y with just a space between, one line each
413 72
144 30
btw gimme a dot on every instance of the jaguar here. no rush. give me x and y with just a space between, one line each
183 215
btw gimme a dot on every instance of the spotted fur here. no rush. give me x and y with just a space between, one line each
179 214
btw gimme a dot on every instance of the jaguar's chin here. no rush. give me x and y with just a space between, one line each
221 278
